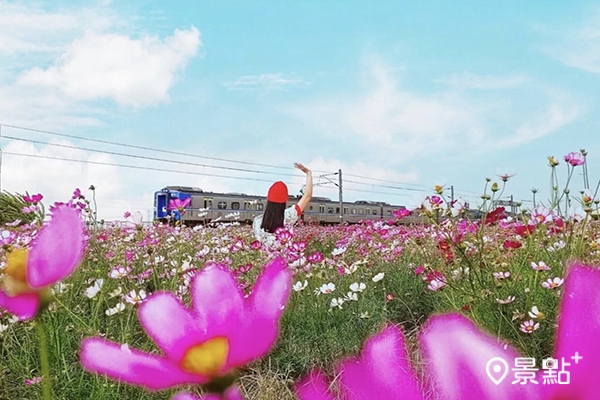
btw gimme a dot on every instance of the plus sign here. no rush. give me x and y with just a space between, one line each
576 357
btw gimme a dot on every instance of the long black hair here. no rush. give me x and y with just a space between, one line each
273 216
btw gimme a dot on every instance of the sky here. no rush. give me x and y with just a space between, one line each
401 96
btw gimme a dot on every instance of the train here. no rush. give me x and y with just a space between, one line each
210 207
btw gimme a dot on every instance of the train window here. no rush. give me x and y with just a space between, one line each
310 207
389 212
247 205
374 212
235 205
361 210
208 202
259 206
354 211
345 210
321 208
329 210
368 211
337 210
221 205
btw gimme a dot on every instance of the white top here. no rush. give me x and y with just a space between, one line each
290 217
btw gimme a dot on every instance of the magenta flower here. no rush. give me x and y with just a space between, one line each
54 255
222 331
178 204
459 355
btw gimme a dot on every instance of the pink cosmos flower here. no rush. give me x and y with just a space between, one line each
401 213
222 331
34 198
457 354
575 158
178 204
33 381
54 255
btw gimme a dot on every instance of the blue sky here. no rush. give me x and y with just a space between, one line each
417 93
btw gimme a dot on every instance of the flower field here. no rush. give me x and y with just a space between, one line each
359 311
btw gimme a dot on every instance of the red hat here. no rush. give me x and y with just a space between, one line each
278 193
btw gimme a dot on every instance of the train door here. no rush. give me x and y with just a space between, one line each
160 205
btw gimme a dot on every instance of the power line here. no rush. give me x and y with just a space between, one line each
138 167
144 157
146 148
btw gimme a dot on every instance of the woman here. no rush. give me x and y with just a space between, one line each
276 215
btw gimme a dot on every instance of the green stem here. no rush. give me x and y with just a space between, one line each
44 360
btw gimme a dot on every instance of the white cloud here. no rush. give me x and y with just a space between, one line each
579 47
133 72
469 80
399 125
29 28
271 81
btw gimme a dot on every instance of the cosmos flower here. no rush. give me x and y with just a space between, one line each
53 256
552 283
298 286
457 353
178 204
529 326
327 288
358 287
575 158
378 277
223 330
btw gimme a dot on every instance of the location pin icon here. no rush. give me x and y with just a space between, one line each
497 369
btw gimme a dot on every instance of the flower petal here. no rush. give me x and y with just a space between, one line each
260 318
133 366
216 297
382 371
57 250
24 306
577 336
170 324
314 387
458 353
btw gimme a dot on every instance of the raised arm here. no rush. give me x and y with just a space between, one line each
305 199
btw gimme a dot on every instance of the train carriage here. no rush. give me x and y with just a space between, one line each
207 207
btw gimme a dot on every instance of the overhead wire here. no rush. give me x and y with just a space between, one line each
147 148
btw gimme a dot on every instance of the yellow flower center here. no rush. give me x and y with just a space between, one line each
15 274
206 358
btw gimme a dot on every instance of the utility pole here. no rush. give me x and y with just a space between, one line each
341 196
451 194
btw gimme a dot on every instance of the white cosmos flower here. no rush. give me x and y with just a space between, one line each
116 309
93 290
535 313
358 287
135 298
3 327
339 250
378 277
552 283
336 303
327 288
508 300
298 286
351 296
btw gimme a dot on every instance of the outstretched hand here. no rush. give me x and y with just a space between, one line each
302 168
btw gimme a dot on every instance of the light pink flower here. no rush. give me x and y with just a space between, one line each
529 326
552 283
54 255
575 158
222 331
